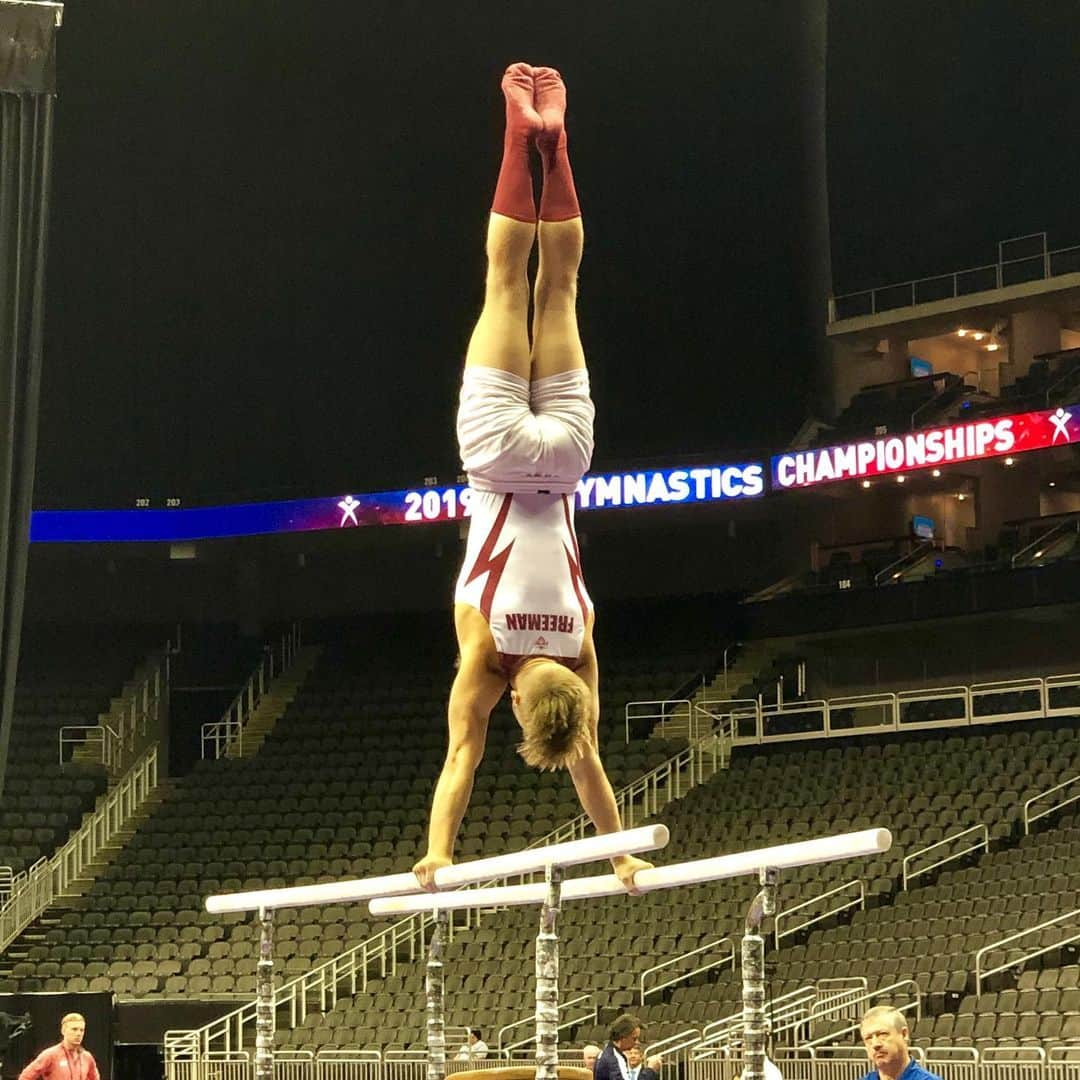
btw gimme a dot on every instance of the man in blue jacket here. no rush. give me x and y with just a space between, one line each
612 1063
885 1035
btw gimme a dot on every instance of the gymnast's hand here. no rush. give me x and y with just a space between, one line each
425 871
625 867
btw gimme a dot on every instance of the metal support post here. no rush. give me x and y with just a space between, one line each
547 979
264 998
434 988
755 1021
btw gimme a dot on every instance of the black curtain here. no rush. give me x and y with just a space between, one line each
27 95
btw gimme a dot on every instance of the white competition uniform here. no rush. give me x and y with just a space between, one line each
522 572
525 447
516 435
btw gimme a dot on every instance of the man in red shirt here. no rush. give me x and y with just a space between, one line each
68 1060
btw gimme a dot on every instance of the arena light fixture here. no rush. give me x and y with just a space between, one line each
936 472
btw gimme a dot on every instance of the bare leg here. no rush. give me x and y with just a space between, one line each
500 338
556 341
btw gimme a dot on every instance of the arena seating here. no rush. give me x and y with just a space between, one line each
67 676
342 785
896 406
769 797
341 788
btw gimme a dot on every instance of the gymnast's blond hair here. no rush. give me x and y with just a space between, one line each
555 711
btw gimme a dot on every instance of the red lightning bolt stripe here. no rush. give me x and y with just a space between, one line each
487 564
573 559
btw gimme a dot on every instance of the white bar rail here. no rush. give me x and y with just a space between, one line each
531 860
803 853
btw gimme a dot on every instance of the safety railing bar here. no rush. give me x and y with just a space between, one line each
531 1018
1029 818
1000 943
916 1004
672 960
981 976
1052 809
1072 678
780 1005
683 976
933 692
1045 537
862 700
1019 685
911 557
821 917
981 827
1045 255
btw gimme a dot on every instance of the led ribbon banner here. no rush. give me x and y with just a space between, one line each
890 454
974 441
427 505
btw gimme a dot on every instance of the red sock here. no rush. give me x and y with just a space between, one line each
558 200
514 188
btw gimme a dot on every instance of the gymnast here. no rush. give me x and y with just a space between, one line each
525 430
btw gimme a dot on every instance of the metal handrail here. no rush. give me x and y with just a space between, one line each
782 1011
674 1043
48 878
795 708
844 997
139 708
859 901
887 702
110 741
1072 522
531 1019
1030 818
980 975
727 719
868 996
911 557
984 844
672 961
1015 686
220 736
589 1014
680 708
997 267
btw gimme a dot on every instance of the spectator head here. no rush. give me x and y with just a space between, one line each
474 1035
885 1035
625 1032
590 1053
73 1028
634 1057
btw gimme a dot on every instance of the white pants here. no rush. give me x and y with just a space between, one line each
516 435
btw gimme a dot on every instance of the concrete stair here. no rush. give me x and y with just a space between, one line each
72 897
748 664
107 854
274 702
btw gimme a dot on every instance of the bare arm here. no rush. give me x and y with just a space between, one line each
475 692
590 780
